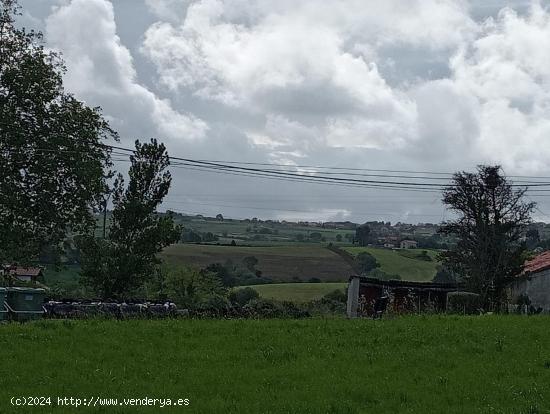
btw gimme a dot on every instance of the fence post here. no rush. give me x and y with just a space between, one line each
353 297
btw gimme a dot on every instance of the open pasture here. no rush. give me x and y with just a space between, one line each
401 262
423 364
279 263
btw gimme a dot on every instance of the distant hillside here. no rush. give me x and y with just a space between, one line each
402 262
261 232
283 264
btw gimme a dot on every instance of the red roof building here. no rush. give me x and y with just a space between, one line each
537 264
25 274
533 284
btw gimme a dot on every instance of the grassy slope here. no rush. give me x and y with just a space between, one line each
394 263
297 292
408 365
281 263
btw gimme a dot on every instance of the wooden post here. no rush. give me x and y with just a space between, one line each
353 297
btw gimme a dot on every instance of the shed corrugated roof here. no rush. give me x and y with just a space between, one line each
406 284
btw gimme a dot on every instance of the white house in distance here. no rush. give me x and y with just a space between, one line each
534 282
408 244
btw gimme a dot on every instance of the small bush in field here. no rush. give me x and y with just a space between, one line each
264 308
214 305
241 297
338 295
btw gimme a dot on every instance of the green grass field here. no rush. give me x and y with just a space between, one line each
396 262
297 292
282 263
434 364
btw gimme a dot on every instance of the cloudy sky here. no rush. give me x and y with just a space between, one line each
416 85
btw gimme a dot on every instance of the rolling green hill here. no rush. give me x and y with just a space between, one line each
281 263
401 262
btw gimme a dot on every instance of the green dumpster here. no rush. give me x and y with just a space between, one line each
25 303
3 309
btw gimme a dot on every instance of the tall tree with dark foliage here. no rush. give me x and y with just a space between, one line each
492 216
118 265
363 235
53 168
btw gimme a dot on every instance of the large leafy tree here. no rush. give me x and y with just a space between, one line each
117 266
363 235
53 166
365 262
492 215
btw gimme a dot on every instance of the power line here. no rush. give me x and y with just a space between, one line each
344 168
296 178
311 176
289 210
227 166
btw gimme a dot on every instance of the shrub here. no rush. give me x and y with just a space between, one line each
250 263
314 280
366 262
214 305
241 297
463 302
338 295
326 306
262 308
291 310
265 308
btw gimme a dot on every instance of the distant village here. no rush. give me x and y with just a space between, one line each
381 233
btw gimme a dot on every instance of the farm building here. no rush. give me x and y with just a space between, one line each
534 282
24 274
369 296
408 244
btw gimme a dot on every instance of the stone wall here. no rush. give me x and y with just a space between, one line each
536 287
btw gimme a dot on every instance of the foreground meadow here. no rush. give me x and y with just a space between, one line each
436 364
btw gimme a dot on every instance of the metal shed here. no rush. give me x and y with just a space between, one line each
365 295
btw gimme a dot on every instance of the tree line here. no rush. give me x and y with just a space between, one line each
56 173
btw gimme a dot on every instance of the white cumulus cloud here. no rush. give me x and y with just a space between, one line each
101 71
506 69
